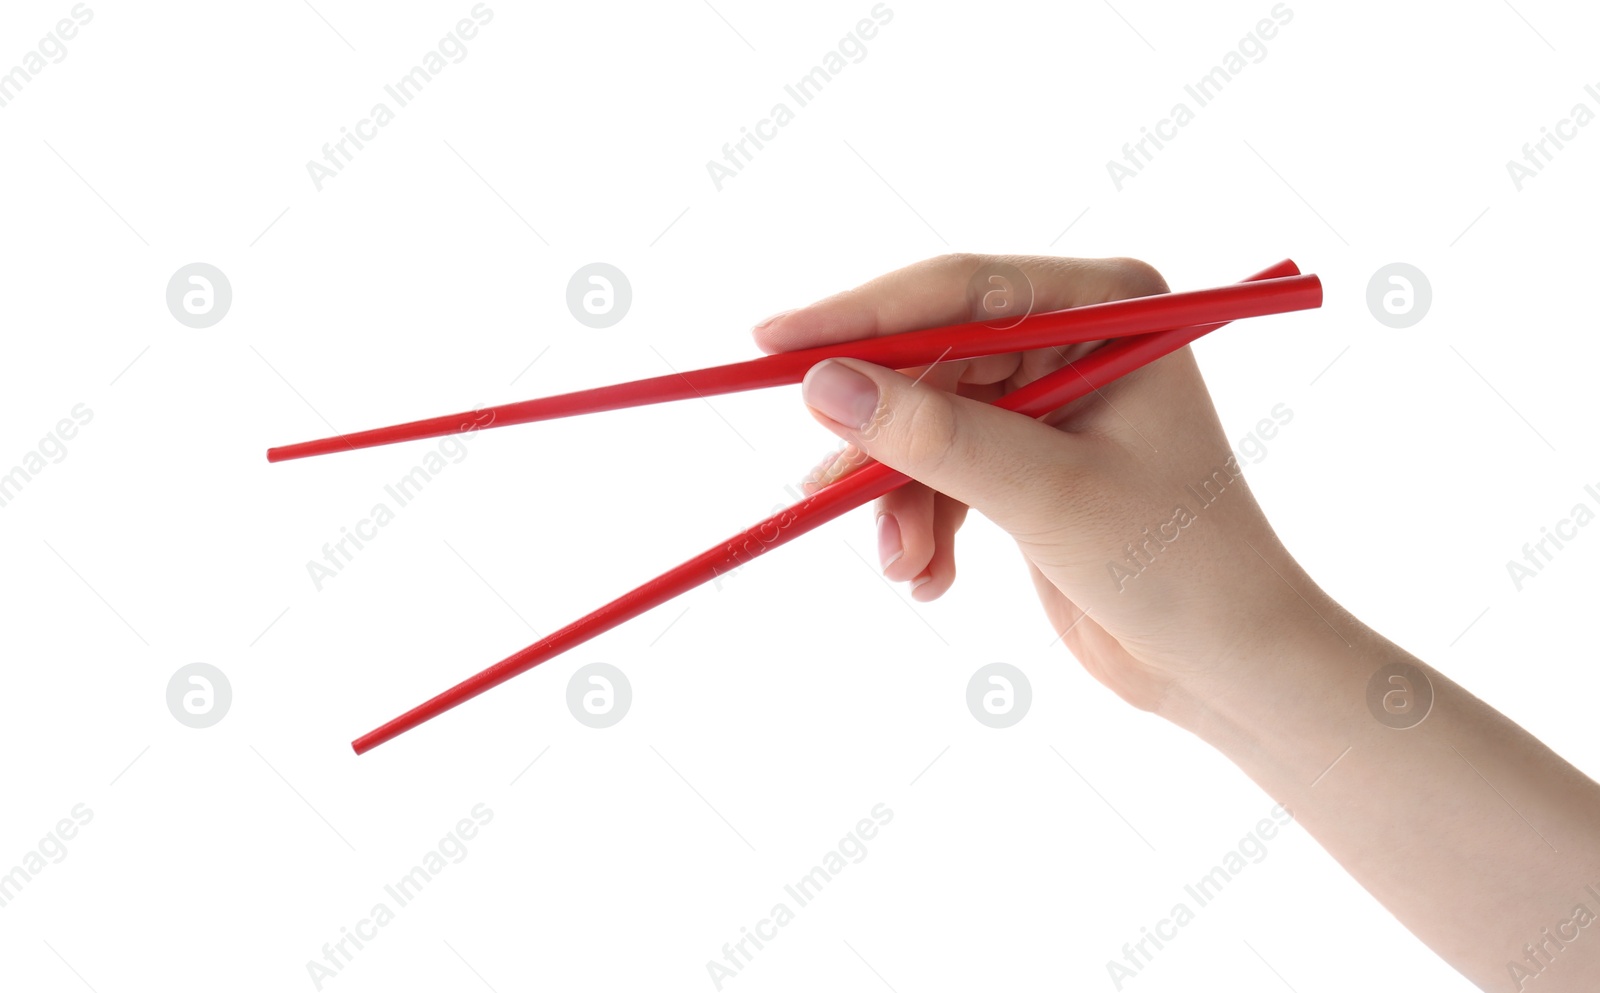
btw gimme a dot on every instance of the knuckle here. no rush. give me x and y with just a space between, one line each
929 431
1140 278
957 265
959 260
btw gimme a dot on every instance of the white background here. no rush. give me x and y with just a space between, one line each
771 715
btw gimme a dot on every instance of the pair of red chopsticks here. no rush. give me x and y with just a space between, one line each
1141 330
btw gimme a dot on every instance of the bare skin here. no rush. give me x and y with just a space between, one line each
1477 837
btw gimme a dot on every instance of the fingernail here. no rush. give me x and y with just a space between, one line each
839 392
889 545
774 317
919 583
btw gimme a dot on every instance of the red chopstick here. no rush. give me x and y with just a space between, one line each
1095 322
1049 392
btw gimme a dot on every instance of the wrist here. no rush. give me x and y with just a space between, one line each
1286 704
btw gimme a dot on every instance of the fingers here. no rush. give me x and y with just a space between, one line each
936 424
844 461
905 532
939 291
1008 466
940 573
952 289
1165 401
916 538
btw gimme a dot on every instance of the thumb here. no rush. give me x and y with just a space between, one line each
1009 467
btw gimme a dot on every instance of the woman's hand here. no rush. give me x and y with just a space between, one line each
1148 551
1152 557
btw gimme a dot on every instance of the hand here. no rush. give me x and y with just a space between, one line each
1147 549
1212 624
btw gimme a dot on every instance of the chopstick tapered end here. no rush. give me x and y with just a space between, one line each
319 446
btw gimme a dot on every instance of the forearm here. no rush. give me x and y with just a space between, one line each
1477 837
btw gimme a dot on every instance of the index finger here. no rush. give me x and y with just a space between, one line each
940 291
